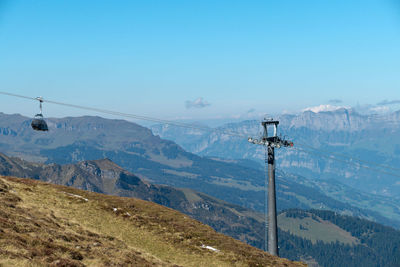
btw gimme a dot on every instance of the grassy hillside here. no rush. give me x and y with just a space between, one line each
44 224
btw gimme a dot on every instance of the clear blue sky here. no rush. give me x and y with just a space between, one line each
150 57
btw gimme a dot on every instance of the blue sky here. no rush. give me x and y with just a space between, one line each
157 58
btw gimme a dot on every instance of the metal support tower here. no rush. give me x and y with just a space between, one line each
270 143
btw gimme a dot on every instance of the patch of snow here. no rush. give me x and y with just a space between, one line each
210 248
322 108
115 209
77 196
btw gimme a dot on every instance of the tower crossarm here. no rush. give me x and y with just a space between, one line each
273 141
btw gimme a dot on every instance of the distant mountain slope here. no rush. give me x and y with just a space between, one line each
330 239
44 224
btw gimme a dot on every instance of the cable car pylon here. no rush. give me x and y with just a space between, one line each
270 143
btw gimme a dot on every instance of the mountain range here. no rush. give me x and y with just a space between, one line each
160 161
347 156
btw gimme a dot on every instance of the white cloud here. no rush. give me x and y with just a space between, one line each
197 103
335 101
389 102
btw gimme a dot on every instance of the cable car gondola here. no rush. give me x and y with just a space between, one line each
38 122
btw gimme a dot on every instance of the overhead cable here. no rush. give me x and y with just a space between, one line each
128 115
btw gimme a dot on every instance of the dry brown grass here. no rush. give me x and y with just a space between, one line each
48 225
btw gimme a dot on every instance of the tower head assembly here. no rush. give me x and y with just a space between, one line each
270 141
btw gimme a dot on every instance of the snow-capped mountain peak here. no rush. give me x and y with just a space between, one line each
322 108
